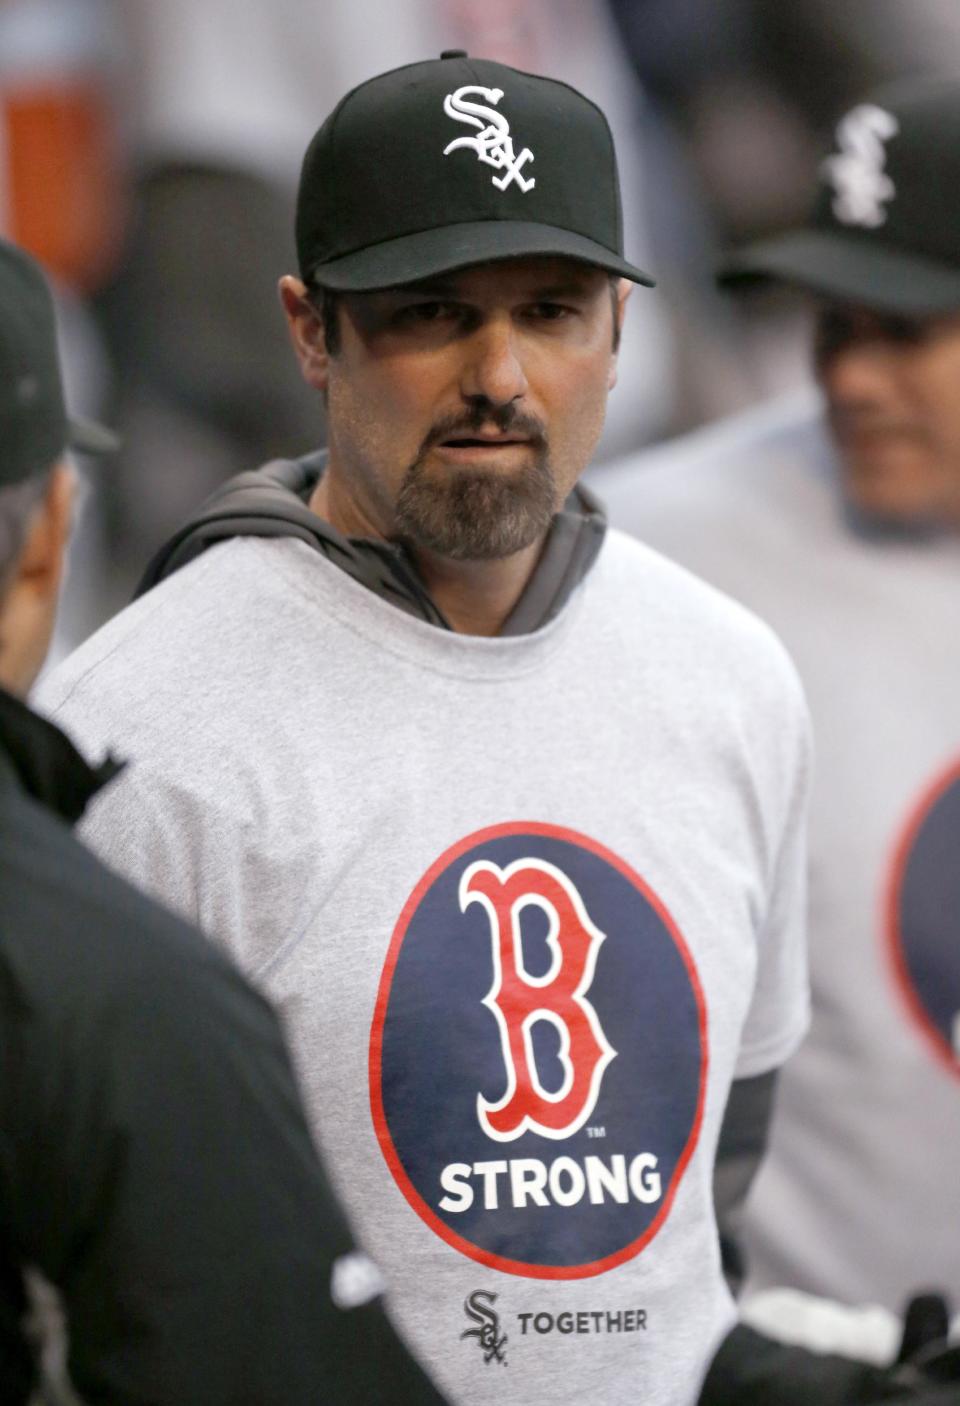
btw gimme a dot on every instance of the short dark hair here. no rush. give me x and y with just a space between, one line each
615 304
326 303
17 504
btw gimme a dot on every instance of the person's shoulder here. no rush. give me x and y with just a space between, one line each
169 654
655 590
717 468
140 631
664 608
784 423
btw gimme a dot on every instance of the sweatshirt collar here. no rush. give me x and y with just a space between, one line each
573 541
274 501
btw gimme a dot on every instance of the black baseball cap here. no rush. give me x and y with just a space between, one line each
885 229
452 162
34 427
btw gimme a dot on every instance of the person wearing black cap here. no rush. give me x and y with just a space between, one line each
520 861
838 520
155 1166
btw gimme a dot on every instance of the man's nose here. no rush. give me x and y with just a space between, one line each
857 370
493 367
858 351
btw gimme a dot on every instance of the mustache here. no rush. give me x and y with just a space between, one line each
506 418
854 419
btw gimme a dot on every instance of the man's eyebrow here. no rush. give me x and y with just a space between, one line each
429 288
437 288
574 288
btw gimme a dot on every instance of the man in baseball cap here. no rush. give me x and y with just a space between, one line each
837 518
155 1166
881 255
35 425
35 434
504 810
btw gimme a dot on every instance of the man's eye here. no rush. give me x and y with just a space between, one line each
417 313
550 312
909 330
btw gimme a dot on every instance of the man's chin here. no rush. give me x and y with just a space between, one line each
894 487
474 540
471 514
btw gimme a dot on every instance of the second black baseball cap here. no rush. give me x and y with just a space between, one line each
34 426
885 230
452 162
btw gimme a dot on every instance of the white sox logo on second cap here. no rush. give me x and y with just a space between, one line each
493 142
857 173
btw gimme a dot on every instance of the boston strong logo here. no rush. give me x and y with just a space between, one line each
538 1053
518 1000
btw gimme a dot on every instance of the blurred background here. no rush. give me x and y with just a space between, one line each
149 152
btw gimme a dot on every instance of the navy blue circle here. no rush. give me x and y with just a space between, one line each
928 916
441 1048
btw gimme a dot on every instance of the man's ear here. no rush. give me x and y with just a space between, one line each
43 555
306 331
624 291
28 607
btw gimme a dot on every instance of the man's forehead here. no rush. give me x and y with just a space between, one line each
870 314
541 274
849 307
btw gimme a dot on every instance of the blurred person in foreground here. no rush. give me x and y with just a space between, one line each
521 864
838 521
154 1163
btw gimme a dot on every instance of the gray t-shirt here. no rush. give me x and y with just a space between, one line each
527 906
859 1197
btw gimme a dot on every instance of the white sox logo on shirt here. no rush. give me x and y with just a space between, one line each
857 174
493 143
538 1053
518 1000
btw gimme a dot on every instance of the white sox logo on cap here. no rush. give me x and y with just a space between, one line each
857 174
493 143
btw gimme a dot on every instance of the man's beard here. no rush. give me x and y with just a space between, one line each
469 514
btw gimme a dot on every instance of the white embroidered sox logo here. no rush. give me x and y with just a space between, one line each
857 173
493 142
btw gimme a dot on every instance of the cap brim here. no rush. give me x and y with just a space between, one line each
848 268
87 437
430 252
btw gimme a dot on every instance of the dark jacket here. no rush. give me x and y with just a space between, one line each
155 1165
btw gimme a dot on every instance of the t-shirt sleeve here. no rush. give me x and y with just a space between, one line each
200 860
147 831
180 822
779 1012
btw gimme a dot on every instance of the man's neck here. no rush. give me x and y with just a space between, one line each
475 597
